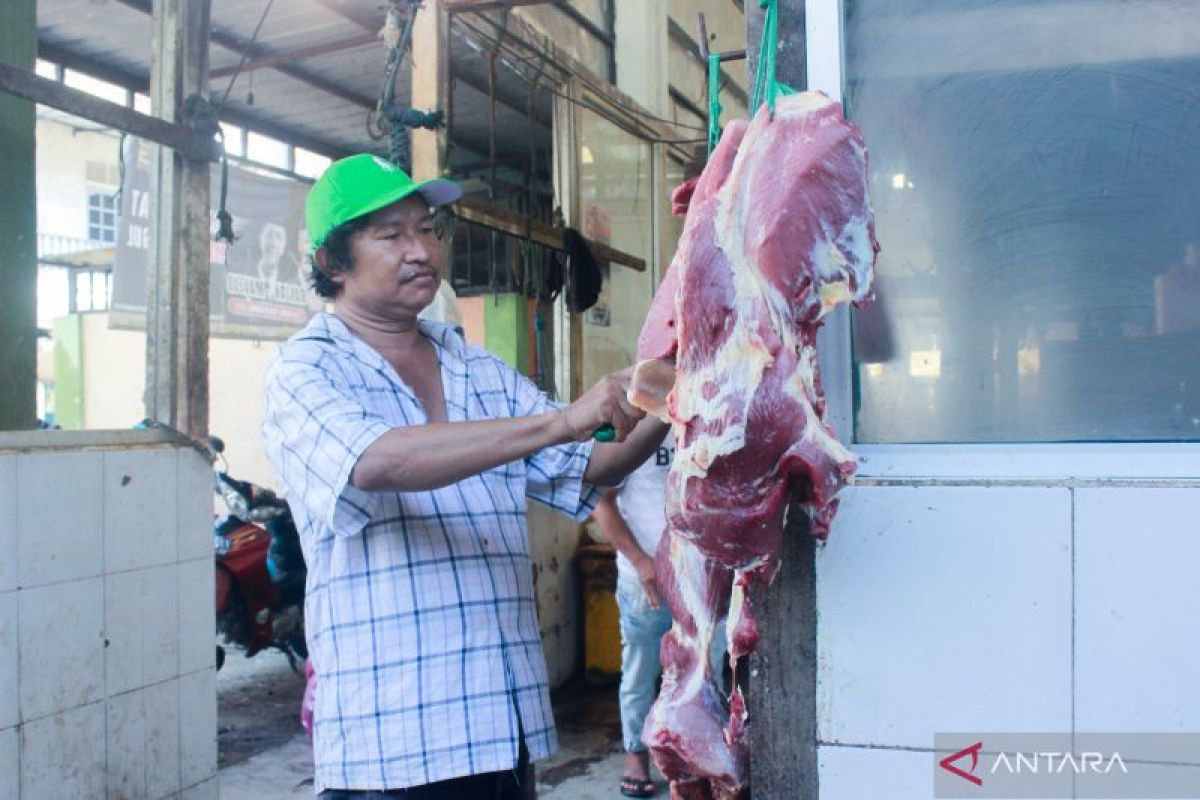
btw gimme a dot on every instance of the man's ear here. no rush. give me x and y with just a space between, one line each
321 257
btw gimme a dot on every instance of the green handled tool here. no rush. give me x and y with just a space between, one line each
605 433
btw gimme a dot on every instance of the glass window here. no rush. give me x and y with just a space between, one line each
102 215
617 208
266 150
232 136
310 164
1036 181
95 86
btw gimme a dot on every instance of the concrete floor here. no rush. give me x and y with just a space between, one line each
265 755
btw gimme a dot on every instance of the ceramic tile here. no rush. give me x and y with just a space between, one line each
61 640
856 773
9 571
197 621
125 745
1137 634
9 708
944 609
162 738
197 727
10 760
59 520
139 509
194 519
62 755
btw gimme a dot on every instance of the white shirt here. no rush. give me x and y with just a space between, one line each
641 500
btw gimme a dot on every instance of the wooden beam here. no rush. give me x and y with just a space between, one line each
430 77
179 137
516 224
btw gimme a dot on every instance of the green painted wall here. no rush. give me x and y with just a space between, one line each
18 234
506 329
68 371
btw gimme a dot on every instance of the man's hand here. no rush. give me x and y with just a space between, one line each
645 571
604 404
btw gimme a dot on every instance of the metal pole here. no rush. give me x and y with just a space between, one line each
18 234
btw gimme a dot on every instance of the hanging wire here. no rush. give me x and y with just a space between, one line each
245 54
224 218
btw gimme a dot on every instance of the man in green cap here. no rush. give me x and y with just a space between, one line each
407 456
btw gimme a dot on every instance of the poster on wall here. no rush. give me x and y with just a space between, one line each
259 283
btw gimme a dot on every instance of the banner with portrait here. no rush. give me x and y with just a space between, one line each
259 283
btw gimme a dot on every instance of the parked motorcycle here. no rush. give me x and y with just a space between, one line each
260 568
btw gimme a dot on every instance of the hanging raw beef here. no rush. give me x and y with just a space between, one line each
779 230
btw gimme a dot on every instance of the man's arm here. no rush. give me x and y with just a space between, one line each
610 463
617 531
423 457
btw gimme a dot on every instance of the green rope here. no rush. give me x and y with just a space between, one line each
766 88
764 71
714 100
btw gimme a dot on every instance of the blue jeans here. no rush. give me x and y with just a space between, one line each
642 629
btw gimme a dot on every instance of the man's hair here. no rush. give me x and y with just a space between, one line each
337 257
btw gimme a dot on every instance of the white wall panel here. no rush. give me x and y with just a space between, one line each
859 773
1137 628
944 609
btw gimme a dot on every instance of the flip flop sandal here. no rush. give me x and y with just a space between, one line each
635 787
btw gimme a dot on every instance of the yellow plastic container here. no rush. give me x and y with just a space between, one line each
601 620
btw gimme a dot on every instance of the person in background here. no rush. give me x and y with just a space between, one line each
632 518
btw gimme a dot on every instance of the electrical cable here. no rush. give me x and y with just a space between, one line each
245 54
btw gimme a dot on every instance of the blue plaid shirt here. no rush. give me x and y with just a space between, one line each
420 609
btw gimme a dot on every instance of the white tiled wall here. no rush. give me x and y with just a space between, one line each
1000 607
857 773
944 609
1137 621
107 686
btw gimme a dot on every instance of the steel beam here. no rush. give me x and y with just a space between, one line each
18 234
257 51
285 56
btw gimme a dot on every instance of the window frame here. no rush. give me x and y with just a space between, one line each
1100 462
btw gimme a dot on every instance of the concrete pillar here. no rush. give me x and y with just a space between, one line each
18 233
781 693
177 306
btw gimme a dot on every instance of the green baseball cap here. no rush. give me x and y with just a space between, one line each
359 184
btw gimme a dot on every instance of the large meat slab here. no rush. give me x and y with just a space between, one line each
779 230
